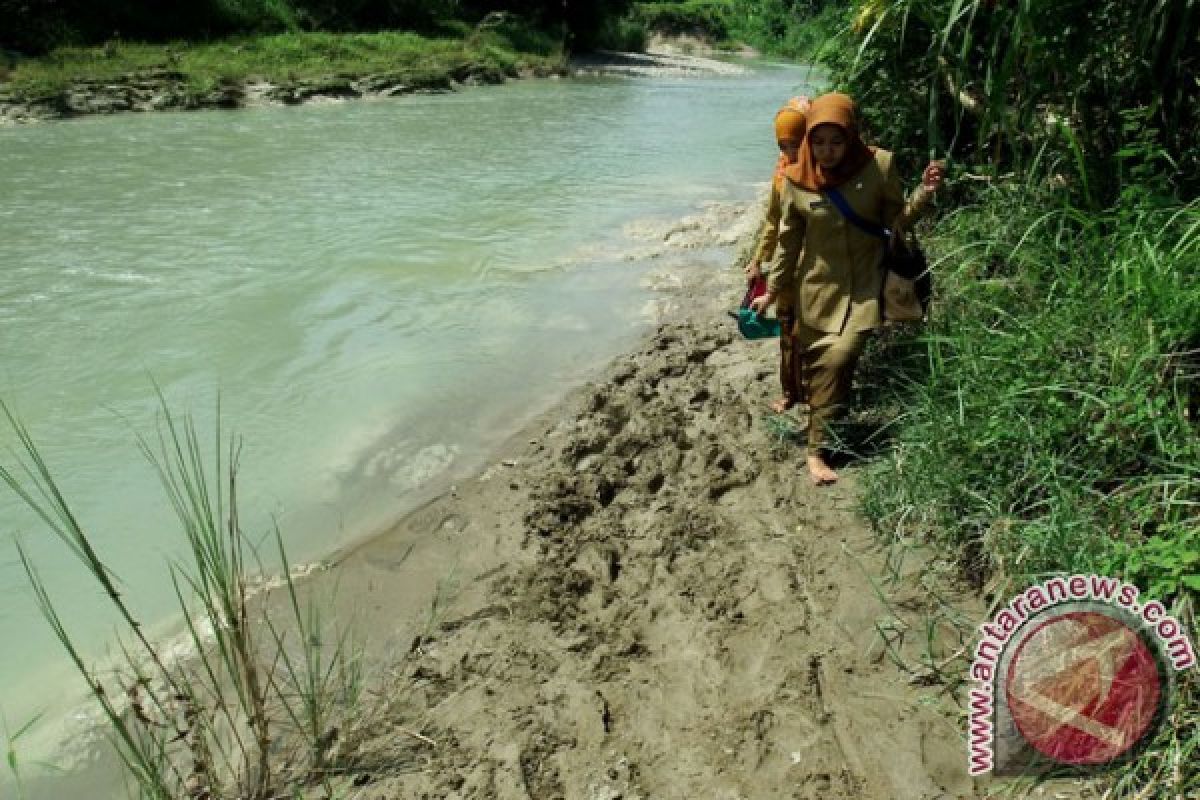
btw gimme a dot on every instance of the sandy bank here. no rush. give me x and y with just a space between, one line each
666 63
644 597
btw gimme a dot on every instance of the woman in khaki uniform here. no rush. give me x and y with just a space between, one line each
789 133
829 269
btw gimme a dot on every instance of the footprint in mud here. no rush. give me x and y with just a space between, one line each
599 399
558 509
583 447
686 530
551 595
624 373
538 770
662 341
593 432
699 352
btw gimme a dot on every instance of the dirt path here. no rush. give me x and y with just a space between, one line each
651 602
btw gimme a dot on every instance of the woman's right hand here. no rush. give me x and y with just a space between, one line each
760 304
933 176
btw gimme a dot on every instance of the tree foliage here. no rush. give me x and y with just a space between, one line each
37 26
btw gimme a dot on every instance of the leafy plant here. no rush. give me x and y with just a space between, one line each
1166 565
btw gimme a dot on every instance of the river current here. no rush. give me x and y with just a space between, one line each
377 292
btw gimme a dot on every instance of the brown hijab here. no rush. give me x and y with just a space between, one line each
789 124
790 121
830 109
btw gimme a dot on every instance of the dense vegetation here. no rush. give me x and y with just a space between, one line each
788 28
1056 423
38 26
1046 419
50 47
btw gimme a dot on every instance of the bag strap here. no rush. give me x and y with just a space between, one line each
873 228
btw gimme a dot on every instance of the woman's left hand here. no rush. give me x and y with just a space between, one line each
933 176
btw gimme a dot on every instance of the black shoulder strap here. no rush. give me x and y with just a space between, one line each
873 228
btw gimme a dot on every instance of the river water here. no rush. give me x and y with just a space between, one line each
378 291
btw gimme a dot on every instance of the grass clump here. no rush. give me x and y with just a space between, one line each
255 710
1049 411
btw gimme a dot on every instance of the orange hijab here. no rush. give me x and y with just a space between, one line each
790 123
830 109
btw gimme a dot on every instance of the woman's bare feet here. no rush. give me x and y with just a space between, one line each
822 474
782 404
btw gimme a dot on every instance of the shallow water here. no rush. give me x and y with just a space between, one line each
378 291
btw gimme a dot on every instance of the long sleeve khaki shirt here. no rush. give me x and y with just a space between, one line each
769 237
829 268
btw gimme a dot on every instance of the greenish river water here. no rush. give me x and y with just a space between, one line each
379 291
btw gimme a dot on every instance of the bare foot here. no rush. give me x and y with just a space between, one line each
782 404
822 474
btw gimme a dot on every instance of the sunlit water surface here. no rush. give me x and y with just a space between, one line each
378 291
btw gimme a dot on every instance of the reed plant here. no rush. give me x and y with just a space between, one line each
254 711
12 757
992 85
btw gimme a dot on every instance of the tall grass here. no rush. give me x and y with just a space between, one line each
254 709
1049 411
994 84
1046 420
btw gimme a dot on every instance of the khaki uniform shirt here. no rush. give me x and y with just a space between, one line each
770 231
768 240
829 267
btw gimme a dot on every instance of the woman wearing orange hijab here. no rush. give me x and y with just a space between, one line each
789 133
827 268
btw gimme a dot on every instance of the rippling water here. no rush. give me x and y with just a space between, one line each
378 290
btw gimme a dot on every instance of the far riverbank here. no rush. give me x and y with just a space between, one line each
296 68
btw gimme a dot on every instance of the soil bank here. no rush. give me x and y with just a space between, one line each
644 597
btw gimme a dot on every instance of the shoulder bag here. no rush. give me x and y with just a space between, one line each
907 281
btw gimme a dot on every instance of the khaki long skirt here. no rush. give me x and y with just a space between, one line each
824 368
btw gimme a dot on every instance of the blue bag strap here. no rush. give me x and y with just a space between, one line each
873 228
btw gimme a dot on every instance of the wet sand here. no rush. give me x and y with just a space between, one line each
644 597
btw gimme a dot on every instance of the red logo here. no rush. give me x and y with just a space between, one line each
1083 688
